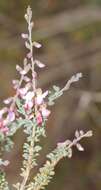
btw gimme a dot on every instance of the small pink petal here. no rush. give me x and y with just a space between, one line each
39 64
45 112
23 72
15 82
24 36
18 68
4 129
39 99
39 118
28 105
7 101
29 96
29 55
11 116
45 94
37 45
23 91
27 79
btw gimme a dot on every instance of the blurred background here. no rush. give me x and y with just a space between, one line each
70 31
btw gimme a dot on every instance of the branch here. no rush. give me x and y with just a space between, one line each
63 150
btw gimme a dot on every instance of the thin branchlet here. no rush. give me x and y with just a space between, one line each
29 161
63 149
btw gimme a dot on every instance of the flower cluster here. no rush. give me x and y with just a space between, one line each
30 96
28 109
6 120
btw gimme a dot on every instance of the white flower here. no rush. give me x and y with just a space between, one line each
40 97
28 100
28 97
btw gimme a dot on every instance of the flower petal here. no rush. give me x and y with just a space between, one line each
45 94
8 100
11 116
29 96
18 68
39 118
45 112
39 64
39 99
24 36
37 45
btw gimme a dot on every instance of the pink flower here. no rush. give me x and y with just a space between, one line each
29 55
23 91
45 112
39 64
23 71
39 118
8 100
3 128
15 84
24 36
28 105
37 44
26 79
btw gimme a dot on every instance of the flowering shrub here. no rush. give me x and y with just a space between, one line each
29 109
